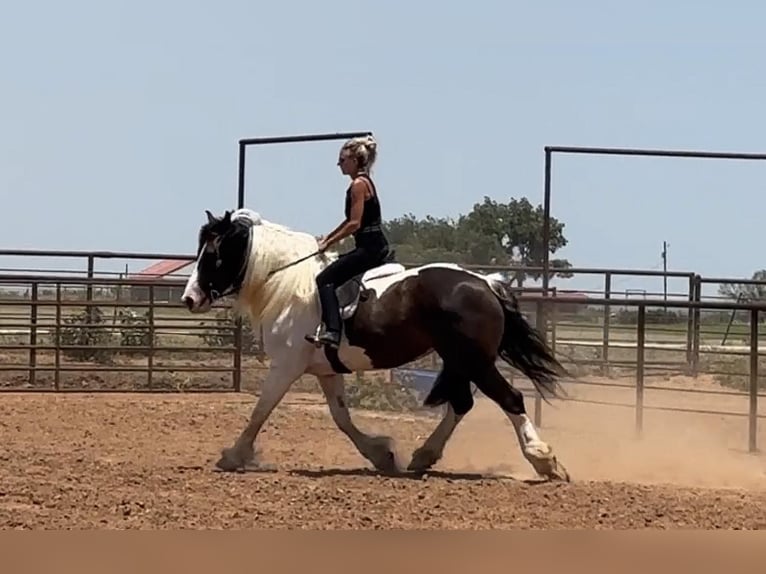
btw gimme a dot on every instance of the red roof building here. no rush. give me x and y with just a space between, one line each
156 273
160 269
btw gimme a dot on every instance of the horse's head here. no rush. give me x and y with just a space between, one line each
222 255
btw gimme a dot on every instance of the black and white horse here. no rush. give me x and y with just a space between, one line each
397 316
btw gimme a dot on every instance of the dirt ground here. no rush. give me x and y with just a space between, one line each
146 461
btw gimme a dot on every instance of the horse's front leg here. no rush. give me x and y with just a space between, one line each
278 380
377 449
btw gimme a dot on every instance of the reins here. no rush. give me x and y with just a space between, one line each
278 269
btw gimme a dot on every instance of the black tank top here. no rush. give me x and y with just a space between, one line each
370 233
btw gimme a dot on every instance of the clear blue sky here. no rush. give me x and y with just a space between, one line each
119 120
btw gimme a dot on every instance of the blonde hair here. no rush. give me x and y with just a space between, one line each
364 149
264 298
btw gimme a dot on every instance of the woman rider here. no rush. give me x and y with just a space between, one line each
363 221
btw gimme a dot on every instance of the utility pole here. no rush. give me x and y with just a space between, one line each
665 269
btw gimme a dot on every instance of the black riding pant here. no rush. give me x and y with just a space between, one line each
347 266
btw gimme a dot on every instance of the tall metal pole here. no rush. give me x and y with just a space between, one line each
241 177
665 270
243 144
542 310
546 221
271 140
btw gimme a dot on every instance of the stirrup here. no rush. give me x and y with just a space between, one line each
324 337
328 338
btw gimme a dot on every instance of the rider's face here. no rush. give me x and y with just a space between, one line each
347 163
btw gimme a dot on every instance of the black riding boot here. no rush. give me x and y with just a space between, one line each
331 320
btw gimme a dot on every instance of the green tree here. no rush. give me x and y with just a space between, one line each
517 227
423 240
492 233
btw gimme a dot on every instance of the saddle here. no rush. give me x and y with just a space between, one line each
352 292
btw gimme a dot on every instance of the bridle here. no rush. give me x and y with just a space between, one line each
234 288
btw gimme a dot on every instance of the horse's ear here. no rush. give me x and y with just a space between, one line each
211 219
227 217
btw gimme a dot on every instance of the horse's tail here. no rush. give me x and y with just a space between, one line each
523 347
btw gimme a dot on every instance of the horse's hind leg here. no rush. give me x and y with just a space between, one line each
454 389
511 401
432 449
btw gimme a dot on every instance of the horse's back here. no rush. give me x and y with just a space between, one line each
384 277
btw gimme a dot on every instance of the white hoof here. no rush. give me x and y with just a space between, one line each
540 456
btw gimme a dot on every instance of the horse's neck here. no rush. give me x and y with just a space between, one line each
268 298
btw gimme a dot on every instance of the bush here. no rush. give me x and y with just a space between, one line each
134 329
86 330
376 393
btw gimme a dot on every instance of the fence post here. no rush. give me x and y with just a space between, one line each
150 354
607 323
753 414
543 330
89 289
696 331
640 341
690 326
57 372
554 317
33 294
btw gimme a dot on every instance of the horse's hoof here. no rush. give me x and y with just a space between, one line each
382 455
546 464
423 459
233 461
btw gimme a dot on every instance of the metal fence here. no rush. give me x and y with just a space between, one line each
66 325
62 333
87 329
742 379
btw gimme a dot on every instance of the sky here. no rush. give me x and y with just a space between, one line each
119 121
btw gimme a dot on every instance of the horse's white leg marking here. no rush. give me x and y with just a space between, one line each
278 380
432 449
536 451
377 449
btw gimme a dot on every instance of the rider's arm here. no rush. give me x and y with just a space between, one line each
354 220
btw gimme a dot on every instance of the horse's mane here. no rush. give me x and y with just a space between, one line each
273 245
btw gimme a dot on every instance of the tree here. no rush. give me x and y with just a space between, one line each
517 227
492 233
746 291
423 240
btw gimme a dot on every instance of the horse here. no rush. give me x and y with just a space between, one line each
391 316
